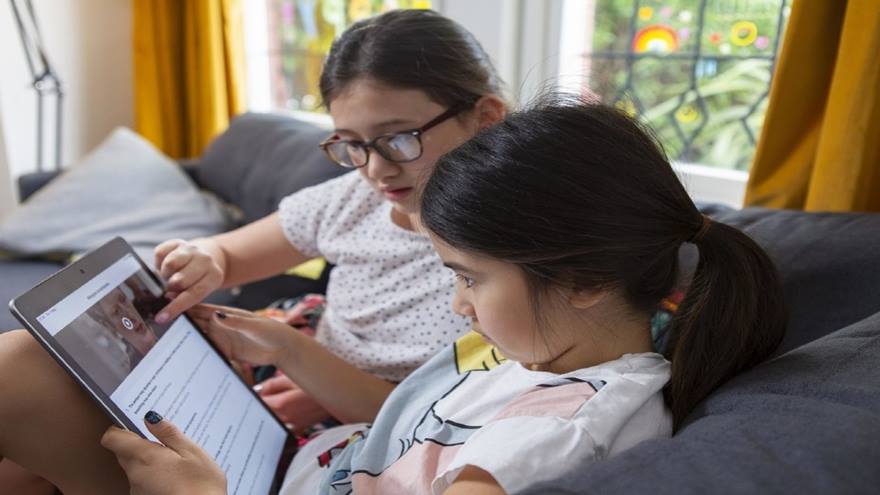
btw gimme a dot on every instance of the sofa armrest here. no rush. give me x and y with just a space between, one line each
28 184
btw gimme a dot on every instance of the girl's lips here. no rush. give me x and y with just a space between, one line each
397 194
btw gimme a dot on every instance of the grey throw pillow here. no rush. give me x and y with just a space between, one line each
261 159
125 187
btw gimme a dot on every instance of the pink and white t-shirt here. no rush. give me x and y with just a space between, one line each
469 407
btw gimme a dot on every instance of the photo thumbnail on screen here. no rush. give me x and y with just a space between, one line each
113 335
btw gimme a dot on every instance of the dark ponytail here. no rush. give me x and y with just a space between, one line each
411 49
579 195
731 319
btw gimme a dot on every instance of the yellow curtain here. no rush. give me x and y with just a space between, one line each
189 71
819 148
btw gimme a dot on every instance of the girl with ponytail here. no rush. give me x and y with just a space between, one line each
581 201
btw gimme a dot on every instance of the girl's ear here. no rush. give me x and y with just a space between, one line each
489 110
585 298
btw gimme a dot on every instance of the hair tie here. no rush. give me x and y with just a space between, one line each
701 231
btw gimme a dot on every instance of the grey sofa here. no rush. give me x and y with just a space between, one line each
806 421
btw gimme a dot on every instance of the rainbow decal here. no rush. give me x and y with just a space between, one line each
655 38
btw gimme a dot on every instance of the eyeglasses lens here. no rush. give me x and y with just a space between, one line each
346 154
399 147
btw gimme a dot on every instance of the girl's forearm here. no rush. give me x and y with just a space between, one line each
348 393
244 260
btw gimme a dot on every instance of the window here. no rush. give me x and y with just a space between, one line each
697 71
287 43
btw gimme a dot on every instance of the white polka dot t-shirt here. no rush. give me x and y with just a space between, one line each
388 299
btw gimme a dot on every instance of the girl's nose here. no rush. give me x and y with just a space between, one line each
379 168
462 306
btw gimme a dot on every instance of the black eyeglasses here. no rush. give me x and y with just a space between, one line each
397 147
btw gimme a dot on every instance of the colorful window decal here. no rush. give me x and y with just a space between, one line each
656 39
697 71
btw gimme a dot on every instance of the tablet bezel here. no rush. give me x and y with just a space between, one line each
28 306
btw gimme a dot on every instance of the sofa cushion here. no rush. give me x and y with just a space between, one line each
261 158
124 187
805 422
830 271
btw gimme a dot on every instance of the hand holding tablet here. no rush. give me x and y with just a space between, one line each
243 336
185 467
95 318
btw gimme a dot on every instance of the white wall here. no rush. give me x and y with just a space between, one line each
89 44
520 36
7 194
495 24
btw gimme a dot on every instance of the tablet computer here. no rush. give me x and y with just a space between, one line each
96 318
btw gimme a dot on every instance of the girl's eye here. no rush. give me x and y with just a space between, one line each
468 282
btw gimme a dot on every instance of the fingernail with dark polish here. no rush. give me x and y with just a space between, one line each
152 417
220 314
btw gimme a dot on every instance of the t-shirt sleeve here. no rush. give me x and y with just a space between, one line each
304 214
522 451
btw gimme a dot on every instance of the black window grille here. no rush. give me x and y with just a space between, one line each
697 71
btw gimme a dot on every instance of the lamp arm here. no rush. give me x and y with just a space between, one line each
44 79
28 49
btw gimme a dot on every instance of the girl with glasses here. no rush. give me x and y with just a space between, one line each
402 89
580 223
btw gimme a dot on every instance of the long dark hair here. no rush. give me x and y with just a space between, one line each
579 195
411 49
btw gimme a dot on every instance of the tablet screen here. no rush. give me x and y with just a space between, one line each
106 325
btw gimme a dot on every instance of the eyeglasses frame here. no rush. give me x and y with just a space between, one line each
417 132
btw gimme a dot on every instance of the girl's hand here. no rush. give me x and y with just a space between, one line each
290 403
190 274
245 337
178 466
